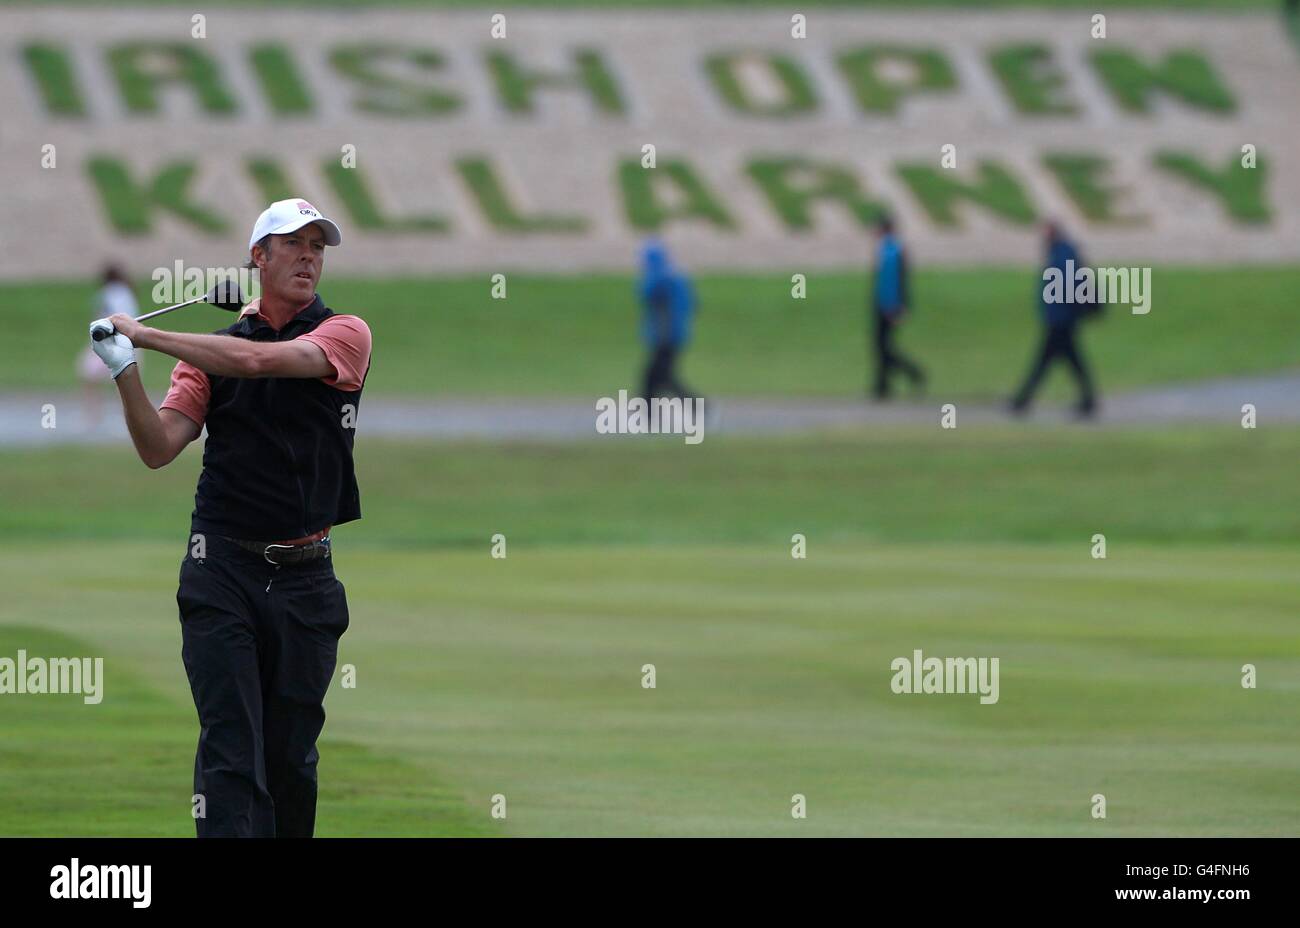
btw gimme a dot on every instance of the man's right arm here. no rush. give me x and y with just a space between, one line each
159 434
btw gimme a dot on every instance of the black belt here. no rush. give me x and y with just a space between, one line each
286 555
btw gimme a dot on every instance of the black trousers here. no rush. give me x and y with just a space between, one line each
661 374
1058 342
890 359
260 644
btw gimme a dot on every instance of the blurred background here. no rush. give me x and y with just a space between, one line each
810 180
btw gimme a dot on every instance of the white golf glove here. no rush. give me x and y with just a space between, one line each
116 351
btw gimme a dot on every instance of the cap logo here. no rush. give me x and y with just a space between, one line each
306 209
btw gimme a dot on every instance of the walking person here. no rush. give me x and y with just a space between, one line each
1060 327
889 308
668 309
261 611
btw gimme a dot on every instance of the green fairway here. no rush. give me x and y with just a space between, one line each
974 330
522 676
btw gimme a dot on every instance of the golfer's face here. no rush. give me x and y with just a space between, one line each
295 264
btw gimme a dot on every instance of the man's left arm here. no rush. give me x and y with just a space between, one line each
230 357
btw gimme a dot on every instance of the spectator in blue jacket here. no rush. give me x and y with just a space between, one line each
890 304
668 308
1060 323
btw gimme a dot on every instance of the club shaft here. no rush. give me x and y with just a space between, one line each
168 309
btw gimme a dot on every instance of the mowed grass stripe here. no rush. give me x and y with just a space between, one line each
123 767
459 671
1183 485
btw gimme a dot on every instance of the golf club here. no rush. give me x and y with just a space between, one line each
225 295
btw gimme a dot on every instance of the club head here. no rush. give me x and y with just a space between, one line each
226 295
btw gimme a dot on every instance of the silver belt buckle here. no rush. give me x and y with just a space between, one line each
266 553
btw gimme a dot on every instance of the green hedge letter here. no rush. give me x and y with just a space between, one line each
1032 80
141 68
1183 73
481 179
516 86
793 185
130 206
796 94
1241 190
53 74
282 85
1082 177
995 189
642 206
350 186
383 93
876 92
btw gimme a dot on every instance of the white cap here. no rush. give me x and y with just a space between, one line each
285 216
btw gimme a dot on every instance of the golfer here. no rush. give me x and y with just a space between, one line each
261 612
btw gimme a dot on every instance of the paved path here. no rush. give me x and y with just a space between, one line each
1276 399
